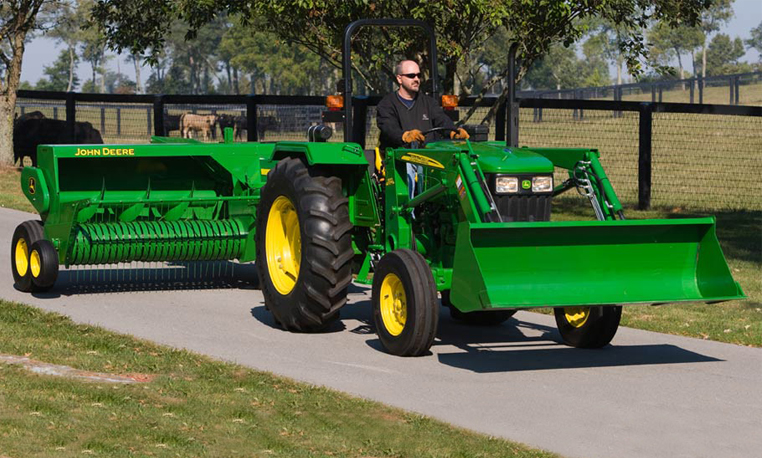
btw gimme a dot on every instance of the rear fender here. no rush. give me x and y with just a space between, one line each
346 161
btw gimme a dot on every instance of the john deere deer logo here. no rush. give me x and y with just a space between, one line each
32 185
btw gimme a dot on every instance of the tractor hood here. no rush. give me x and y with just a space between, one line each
495 157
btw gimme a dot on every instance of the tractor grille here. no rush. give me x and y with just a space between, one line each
524 207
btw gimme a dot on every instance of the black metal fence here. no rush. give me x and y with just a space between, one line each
664 154
737 89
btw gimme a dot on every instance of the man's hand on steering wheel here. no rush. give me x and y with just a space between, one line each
460 134
456 133
413 135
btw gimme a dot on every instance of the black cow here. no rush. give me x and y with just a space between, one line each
240 125
25 116
29 133
171 122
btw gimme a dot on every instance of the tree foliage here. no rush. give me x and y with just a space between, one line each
724 54
755 42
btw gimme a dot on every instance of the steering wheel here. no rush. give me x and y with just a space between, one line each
439 129
416 145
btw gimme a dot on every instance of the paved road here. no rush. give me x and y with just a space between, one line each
648 395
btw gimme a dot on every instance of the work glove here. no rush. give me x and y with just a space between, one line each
460 134
414 135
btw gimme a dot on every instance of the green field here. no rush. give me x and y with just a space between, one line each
192 406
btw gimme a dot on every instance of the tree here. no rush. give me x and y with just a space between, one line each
723 55
18 20
93 51
58 76
712 18
755 42
70 19
462 26
672 42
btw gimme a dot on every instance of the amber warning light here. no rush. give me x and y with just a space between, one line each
334 102
449 102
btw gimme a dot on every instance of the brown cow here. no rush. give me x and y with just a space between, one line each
190 122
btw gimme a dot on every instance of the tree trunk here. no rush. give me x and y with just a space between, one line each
236 82
138 84
703 60
71 70
8 88
449 78
103 70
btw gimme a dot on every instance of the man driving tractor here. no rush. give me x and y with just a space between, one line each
404 115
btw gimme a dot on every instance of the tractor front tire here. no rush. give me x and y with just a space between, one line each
405 306
492 318
588 327
304 247
25 235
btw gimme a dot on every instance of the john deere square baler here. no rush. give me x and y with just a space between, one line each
476 232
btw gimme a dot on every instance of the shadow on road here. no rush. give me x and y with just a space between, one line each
506 348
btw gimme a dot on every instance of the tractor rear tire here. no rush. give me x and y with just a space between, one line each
25 235
304 247
492 318
588 327
405 306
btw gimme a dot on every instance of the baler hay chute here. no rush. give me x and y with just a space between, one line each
315 216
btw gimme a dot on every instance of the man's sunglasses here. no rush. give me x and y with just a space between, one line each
411 75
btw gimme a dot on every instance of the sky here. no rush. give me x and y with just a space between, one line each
42 51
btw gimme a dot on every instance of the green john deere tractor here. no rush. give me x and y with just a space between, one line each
315 217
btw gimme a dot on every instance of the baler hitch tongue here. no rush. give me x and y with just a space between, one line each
561 264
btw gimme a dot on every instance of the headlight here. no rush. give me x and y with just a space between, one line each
504 185
542 184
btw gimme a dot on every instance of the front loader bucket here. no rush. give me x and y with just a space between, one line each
522 265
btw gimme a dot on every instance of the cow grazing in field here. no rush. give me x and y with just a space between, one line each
171 123
30 132
190 122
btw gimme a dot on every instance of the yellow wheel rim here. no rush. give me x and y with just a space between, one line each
283 245
577 316
393 303
34 263
22 257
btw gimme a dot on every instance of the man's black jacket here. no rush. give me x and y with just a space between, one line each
394 118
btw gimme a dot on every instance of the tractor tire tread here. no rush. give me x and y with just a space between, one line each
325 272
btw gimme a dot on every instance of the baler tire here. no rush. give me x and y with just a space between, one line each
312 302
410 331
25 235
492 318
43 265
597 330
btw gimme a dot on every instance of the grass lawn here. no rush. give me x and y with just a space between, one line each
193 406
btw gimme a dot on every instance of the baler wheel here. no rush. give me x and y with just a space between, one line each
588 327
405 307
43 264
492 318
304 247
25 235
